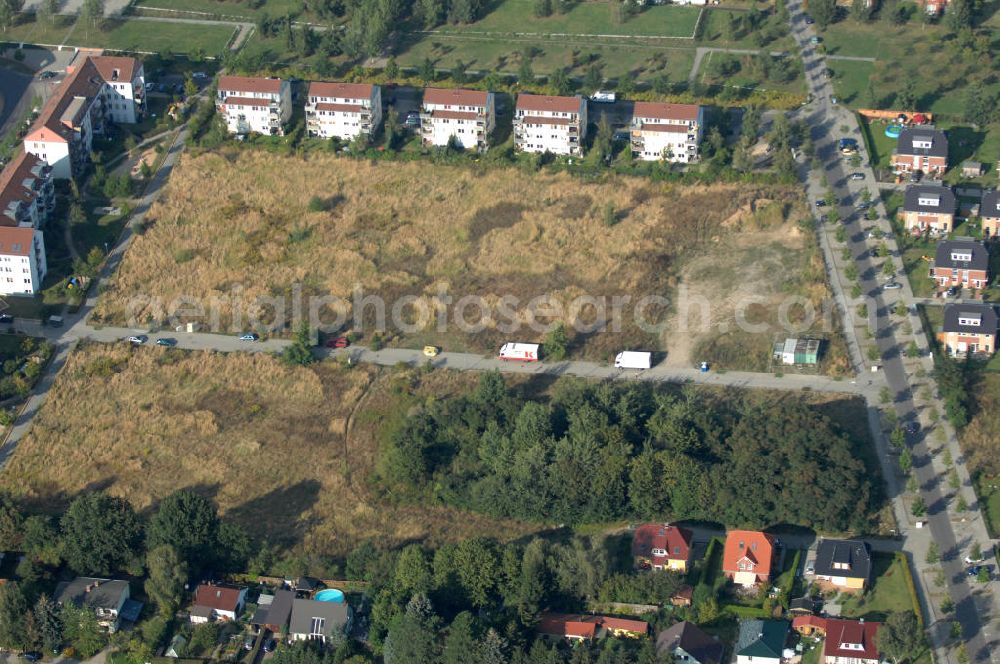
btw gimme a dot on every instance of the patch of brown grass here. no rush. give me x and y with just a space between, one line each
406 229
268 442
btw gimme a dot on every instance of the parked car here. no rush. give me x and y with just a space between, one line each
974 570
31 656
270 645
150 86
863 206
821 203
810 20
892 285
412 119
916 175
45 75
248 642
952 292
810 568
815 40
166 342
138 339
969 560
431 351
857 176
249 336
339 342
911 427
199 74
6 319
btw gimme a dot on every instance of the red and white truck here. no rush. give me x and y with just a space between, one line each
519 352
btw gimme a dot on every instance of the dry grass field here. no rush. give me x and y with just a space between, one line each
239 218
268 442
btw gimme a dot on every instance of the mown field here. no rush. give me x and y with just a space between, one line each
261 224
283 451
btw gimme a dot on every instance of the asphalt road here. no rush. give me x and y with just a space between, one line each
13 86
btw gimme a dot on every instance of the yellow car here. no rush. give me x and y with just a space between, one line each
431 351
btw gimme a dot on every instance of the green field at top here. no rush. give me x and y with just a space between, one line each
226 7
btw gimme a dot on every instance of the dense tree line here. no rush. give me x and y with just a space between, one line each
602 452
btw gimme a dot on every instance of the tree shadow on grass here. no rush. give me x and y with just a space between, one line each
279 513
963 143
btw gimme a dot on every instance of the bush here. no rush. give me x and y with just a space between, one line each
317 204
910 587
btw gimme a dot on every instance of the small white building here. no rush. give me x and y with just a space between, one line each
671 132
27 194
550 124
22 260
254 105
344 110
467 115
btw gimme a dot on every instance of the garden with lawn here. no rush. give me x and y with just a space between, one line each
889 591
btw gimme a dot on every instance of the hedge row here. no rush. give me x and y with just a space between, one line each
911 587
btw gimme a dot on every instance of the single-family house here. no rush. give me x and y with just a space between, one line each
928 208
845 641
921 148
550 124
312 620
689 644
465 116
747 557
343 110
846 564
671 132
962 264
761 641
587 627
969 328
274 611
27 194
661 546
250 104
22 260
107 598
989 213
217 602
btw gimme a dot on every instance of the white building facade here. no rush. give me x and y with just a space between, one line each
671 132
22 260
27 194
550 124
124 88
467 115
343 110
254 105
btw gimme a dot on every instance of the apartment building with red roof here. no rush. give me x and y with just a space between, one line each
669 132
343 110
256 105
544 123
465 116
27 194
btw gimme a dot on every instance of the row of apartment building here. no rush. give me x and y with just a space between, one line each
541 123
97 91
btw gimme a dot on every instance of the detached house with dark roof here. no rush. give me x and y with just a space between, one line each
256 105
928 208
689 645
846 564
761 641
989 212
273 611
962 264
550 124
969 328
921 148
319 621
748 557
661 546
216 602
107 598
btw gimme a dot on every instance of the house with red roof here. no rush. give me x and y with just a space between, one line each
582 627
543 123
22 260
217 602
661 546
465 116
845 641
748 557
671 132
344 110
252 104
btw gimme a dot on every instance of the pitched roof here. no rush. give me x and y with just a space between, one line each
220 598
343 108
63 109
756 546
250 84
334 615
245 101
539 119
86 591
985 313
663 111
806 603
455 97
17 241
550 104
665 128
990 206
19 182
979 255
916 192
762 638
676 541
341 90
108 64
851 638
814 622
586 626
937 138
855 554
277 611
699 646
454 115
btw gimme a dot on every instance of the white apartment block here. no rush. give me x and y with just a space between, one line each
550 124
467 115
671 132
98 90
22 260
27 194
254 105
344 110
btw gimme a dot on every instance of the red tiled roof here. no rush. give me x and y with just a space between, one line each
250 84
814 622
220 598
455 115
585 626
851 632
13 176
16 241
536 119
107 64
624 624
455 97
758 547
343 108
662 111
549 104
84 81
667 128
246 101
674 540
341 90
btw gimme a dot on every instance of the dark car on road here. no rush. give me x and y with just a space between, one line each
166 342
270 645
47 75
6 319
31 656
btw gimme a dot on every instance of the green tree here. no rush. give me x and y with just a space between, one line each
905 461
427 72
9 9
525 74
959 15
81 629
41 540
48 622
391 130
190 87
391 68
189 523
433 12
933 554
458 73
556 342
560 83
299 352
460 642
166 576
204 638
900 637
92 11
661 84
919 507
593 79
979 106
13 608
626 84
413 571
11 523
101 534
824 11
860 11
543 8
411 636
